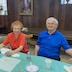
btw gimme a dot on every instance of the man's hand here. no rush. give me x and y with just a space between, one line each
8 53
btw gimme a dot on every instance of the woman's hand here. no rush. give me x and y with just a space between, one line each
2 45
8 53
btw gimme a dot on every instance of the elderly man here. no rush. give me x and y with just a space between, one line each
50 41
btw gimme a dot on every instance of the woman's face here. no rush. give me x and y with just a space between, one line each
17 29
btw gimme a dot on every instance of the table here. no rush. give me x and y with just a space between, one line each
56 66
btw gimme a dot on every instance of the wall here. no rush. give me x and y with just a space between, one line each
41 11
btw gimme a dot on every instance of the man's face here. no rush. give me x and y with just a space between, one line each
51 25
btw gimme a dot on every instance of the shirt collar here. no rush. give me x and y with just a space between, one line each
52 33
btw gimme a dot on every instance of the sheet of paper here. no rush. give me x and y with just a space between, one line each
4 50
68 68
16 55
8 64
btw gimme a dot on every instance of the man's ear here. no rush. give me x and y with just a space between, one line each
57 26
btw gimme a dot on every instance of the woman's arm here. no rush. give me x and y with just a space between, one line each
15 51
18 49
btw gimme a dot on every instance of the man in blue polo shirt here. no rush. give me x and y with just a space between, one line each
50 41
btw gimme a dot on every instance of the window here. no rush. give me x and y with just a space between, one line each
3 7
66 1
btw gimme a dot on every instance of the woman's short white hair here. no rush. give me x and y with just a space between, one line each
52 18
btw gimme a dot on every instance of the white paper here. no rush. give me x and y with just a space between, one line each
16 55
8 64
4 50
68 68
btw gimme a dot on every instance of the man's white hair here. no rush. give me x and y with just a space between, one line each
52 18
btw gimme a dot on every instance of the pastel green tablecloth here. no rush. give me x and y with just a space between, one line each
56 66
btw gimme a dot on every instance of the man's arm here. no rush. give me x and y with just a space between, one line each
69 51
36 49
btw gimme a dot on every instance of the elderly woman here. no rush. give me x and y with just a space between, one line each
51 40
16 39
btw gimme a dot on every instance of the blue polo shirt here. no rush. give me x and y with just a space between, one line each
50 44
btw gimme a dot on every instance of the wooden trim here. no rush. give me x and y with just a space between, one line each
63 17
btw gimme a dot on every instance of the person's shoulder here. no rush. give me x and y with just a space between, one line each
43 32
60 34
10 34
